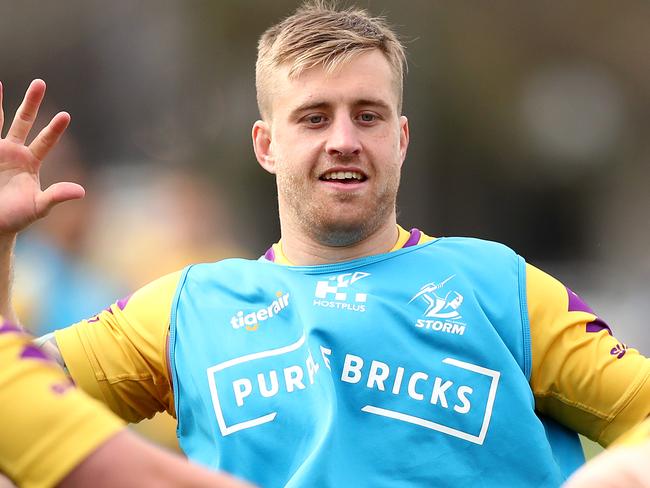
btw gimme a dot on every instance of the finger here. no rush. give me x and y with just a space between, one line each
2 113
26 113
50 135
55 194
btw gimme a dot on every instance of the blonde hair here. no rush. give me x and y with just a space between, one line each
319 34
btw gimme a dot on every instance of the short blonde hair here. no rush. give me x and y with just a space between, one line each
319 34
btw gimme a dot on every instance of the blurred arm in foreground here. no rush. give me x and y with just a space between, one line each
54 435
625 465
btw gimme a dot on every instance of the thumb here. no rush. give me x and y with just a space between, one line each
55 194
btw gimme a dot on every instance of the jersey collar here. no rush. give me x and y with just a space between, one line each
404 239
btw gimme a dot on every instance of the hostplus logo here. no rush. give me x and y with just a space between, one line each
442 308
339 292
251 321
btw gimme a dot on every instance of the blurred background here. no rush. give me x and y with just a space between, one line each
530 125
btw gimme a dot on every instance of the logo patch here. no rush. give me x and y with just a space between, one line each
251 321
450 396
619 350
241 387
464 406
338 292
442 308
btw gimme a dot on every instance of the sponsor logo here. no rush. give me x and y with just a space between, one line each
251 321
449 396
619 351
442 308
337 292
458 413
238 385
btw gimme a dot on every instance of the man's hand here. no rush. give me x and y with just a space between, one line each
620 467
21 199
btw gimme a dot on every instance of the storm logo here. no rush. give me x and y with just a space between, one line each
438 306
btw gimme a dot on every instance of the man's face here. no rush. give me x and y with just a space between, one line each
336 145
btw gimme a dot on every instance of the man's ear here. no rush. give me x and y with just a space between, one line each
404 136
262 145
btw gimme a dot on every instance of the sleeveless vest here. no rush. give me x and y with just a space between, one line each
409 368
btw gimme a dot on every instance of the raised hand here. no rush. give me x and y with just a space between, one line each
21 199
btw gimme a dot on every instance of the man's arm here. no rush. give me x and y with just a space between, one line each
7 244
21 199
120 356
582 376
127 461
21 203
625 465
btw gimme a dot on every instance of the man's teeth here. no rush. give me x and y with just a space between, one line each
343 175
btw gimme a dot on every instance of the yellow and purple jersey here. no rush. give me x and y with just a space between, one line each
48 426
581 376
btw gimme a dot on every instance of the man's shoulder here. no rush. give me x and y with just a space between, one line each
471 254
228 268
228 263
468 244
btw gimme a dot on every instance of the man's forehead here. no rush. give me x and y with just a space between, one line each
364 79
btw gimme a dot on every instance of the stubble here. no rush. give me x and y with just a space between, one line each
340 220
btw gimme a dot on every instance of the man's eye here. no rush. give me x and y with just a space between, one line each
315 119
366 117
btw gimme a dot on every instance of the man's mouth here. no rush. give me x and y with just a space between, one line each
337 176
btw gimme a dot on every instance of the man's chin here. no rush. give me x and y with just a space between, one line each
342 231
342 224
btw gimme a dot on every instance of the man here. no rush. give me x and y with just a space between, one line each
353 353
53 434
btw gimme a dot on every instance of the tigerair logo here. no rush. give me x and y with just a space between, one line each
251 321
442 308
338 292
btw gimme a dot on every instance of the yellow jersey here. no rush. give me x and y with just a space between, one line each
48 426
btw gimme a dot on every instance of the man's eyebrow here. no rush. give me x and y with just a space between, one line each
310 105
321 104
372 102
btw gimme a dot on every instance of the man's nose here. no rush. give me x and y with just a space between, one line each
343 138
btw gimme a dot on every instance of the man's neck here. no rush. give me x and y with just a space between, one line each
301 250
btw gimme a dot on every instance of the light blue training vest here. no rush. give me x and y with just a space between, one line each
404 369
